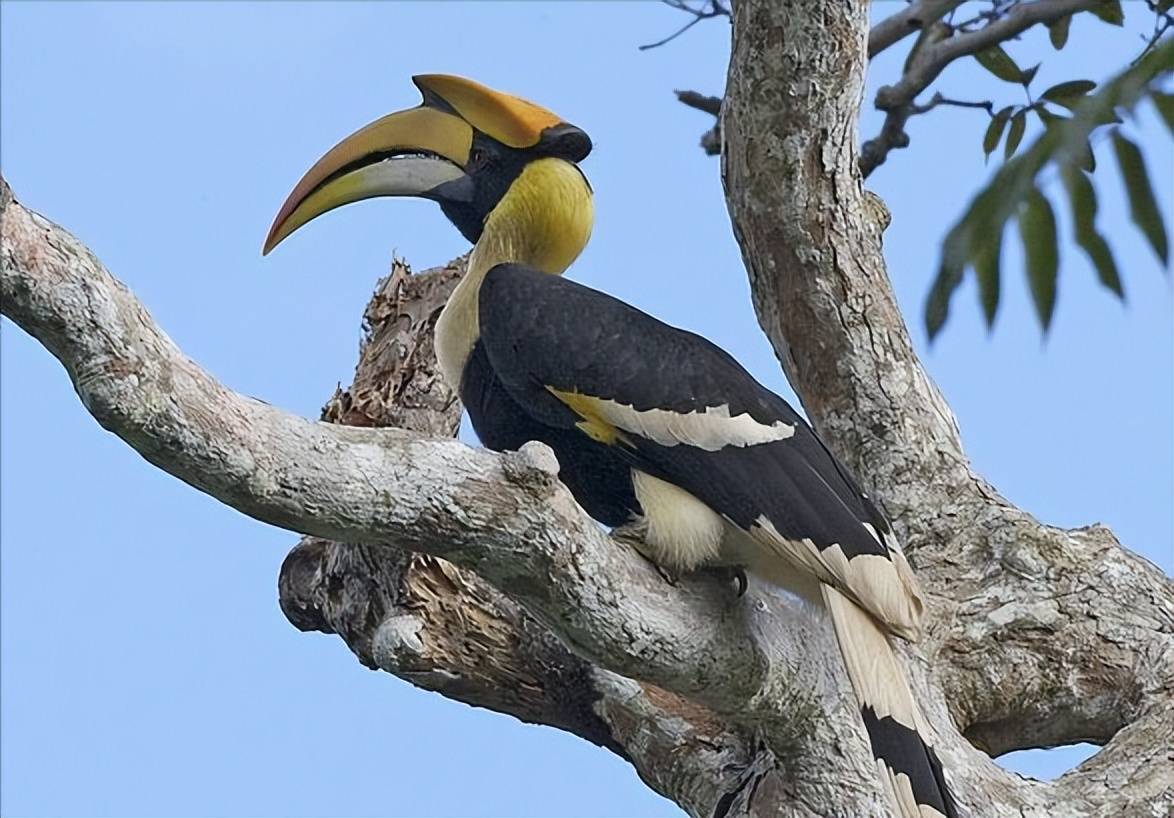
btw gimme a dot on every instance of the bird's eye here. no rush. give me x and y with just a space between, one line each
478 158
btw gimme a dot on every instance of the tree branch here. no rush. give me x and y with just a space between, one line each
929 59
445 629
1037 635
938 45
369 486
707 11
710 105
761 665
422 618
937 99
914 17
1040 636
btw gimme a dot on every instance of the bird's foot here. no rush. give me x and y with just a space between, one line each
671 577
633 535
730 573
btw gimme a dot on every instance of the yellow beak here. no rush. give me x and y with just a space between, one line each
408 153
415 152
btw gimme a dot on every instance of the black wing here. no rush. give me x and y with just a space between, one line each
601 482
676 406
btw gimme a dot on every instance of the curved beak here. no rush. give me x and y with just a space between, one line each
409 153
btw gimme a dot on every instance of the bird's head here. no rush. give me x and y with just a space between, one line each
488 158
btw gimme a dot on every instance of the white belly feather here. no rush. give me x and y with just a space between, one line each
679 531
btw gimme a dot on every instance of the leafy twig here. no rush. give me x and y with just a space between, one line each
1015 191
928 63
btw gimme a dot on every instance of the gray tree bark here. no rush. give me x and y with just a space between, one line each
475 574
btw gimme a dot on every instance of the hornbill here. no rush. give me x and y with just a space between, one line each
658 432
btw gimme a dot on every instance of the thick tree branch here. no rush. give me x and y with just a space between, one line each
1029 622
369 486
447 630
942 47
419 617
759 664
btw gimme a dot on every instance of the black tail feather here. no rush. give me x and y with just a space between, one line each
906 763
903 751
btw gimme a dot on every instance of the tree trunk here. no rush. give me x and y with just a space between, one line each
475 575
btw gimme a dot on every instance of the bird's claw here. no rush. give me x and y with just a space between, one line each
741 581
732 573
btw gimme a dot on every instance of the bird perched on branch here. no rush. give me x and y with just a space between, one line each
658 432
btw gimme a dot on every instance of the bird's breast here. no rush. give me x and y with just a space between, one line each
457 331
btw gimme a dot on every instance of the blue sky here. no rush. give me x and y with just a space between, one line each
147 669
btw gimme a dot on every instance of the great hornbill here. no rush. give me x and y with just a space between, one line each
656 430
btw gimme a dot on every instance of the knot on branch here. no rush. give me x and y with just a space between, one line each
297 585
711 140
533 467
887 98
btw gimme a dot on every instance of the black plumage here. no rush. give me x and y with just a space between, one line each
600 482
540 331
653 426
900 749
546 342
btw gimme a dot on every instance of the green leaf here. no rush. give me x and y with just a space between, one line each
1165 104
1069 94
994 131
1079 154
1077 88
1086 160
1046 117
1037 228
999 63
1083 200
937 305
1058 31
1108 116
949 277
986 268
1109 11
1029 74
1015 135
1064 147
1082 155
985 217
1143 208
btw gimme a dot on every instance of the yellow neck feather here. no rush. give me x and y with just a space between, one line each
544 220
